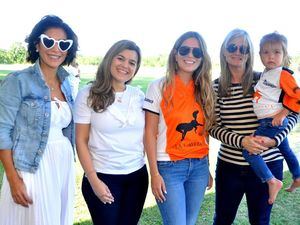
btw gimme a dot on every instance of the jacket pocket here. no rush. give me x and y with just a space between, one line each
31 111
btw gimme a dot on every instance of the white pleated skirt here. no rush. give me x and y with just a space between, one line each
51 187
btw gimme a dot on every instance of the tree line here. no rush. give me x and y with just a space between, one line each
16 54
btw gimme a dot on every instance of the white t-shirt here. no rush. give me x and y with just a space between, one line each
116 135
266 101
152 104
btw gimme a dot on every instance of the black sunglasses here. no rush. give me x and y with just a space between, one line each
48 43
185 50
244 50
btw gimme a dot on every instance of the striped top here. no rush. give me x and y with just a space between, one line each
236 119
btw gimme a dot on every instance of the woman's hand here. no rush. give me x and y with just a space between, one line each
158 187
82 138
210 182
102 191
18 191
266 141
253 144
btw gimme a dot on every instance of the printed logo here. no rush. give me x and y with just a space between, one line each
256 96
269 84
183 128
148 100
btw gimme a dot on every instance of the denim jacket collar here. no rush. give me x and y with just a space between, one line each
61 72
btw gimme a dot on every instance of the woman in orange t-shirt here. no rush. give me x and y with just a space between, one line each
178 114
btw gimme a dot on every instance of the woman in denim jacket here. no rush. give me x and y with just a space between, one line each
37 131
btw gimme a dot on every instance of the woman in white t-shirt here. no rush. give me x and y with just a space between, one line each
109 138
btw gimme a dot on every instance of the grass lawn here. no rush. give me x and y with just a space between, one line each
3 73
286 210
141 82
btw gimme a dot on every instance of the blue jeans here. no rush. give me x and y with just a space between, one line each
232 182
256 161
186 181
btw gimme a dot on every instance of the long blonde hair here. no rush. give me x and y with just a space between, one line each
225 77
204 93
102 93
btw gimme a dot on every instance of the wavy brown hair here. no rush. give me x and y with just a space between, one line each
102 93
204 93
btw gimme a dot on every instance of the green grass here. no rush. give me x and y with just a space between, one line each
141 82
3 73
286 210
1 173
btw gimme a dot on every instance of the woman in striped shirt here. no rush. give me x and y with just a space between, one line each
236 122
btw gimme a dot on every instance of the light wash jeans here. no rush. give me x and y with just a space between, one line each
186 181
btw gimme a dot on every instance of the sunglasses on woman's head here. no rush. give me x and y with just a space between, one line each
244 50
185 50
48 43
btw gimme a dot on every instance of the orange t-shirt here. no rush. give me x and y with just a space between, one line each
183 120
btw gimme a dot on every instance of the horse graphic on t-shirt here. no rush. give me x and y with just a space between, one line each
183 128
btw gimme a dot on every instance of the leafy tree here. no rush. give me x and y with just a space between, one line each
17 53
4 57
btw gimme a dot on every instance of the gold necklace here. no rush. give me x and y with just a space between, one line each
52 87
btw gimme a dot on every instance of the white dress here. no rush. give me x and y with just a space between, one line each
52 186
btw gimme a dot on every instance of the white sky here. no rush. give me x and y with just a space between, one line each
153 24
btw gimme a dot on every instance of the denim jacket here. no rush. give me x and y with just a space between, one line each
25 113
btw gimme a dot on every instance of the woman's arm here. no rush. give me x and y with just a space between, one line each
228 137
293 119
17 186
10 101
100 189
151 131
219 131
